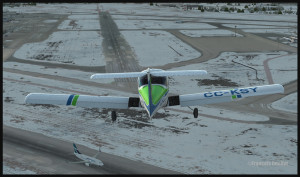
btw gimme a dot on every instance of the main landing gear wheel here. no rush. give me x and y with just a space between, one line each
195 112
113 116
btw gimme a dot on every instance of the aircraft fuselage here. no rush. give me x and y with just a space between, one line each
153 92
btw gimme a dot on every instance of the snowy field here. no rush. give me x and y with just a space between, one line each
209 33
161 47
284 69
55 8
250 26
83 24
174 140
232 69
236 143
221 146
286 31
83 48
76 74
10 170
262 23
288 103
155 24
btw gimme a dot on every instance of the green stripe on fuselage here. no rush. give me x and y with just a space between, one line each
145 94
75 100
157 92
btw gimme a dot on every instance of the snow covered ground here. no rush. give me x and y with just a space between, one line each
284 69
209 33
286 31
15 170
83 48
174 140
248 22
288 103
55 8
76 74
155 24
250 26
84 24
237 74
161 47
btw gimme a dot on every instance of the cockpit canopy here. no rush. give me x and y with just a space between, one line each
154 80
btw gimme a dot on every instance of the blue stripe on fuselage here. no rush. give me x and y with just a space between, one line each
70 99
151 107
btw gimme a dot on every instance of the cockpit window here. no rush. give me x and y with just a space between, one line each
158 80
154 80
143 80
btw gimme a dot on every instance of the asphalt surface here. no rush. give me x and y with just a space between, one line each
118 53
49 155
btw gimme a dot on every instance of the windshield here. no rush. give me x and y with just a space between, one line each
143 80
154 80
158 80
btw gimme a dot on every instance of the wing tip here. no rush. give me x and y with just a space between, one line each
27 98
92 76
281 88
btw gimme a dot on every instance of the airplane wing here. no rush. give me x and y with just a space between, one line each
223 95
83 100
96 155
154 73
117 75
179 73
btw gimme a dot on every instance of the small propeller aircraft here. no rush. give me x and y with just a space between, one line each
87 160
153 90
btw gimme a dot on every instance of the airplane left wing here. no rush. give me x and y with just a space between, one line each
83 100
223 95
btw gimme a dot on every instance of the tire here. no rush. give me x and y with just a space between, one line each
113 116
195 113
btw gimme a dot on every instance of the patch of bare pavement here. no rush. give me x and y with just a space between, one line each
118 53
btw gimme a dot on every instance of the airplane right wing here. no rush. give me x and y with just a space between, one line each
179 73
224 95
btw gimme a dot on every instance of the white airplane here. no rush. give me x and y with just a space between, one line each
87 160
291 39
153 90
